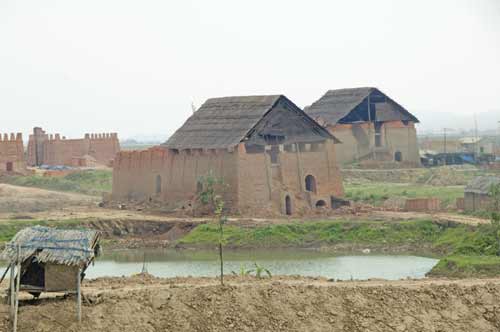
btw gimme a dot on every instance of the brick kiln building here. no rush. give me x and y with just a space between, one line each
93 149
269 153
12 153
370 125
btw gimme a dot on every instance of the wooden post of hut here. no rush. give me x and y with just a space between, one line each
11 293
79 296
18 284
49 260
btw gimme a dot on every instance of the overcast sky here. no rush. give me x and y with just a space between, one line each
134 67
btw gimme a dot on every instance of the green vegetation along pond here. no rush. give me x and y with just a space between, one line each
171 263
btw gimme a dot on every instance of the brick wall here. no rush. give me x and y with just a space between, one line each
54 149
12 153
253 184
423 204
358 142
136 173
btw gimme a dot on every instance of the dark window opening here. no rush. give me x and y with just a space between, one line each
398 156
274 153
199 187
288 205
9 166
252 148
310 183
320 204
34 273
273 139
158 184
316 147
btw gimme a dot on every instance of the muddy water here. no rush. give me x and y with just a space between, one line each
171 263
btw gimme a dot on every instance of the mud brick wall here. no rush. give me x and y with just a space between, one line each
12 153
54 149
171 176
358 140
423 204
252 182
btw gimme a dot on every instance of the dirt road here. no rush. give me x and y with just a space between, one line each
278 304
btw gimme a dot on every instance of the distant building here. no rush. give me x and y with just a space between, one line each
272 157
476 195
49 149
12 158
478 145
370 125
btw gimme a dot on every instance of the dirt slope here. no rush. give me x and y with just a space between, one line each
15 199
280 304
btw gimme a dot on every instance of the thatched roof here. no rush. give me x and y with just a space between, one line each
225 122
335 105
482 184
50 245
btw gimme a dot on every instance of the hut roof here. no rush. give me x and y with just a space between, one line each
337 104
50 245
482 184
225 122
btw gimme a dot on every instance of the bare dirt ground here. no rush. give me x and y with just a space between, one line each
145 303
15 199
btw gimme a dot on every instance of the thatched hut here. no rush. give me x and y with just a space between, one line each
51 259
477 193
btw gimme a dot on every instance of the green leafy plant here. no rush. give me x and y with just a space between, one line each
243 272
211 186
260 270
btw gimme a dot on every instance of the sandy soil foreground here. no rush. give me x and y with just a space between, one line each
144 303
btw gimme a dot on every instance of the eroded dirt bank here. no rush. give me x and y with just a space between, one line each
279 304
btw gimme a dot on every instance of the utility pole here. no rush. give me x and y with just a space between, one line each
497 145
476 139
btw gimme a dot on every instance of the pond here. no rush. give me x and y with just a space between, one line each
171 263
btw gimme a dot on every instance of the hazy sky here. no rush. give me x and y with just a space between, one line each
135 66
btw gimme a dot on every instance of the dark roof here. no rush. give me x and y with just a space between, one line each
50 245
482 184
225 122
334 105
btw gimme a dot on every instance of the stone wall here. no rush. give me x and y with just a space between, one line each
253 182
12 153
358 142
54 149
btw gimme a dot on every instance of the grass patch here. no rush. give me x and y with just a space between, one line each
89 182
467 266
9 228
377 193
318 233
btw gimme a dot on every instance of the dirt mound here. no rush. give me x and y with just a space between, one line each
279 304
14 199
